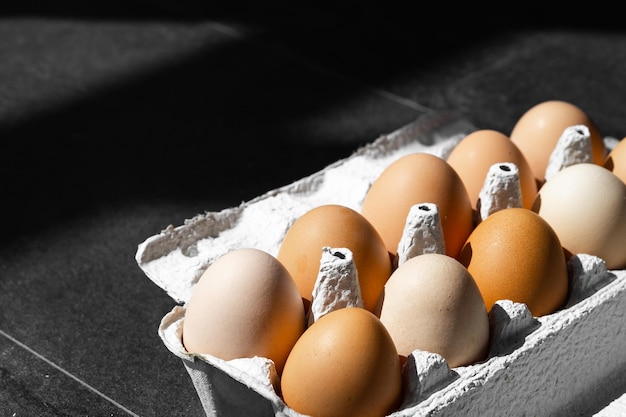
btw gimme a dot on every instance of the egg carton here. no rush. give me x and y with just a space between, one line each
570 362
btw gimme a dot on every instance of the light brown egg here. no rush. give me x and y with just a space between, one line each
472 157
515 255
432 303
538 130
338 227
244 305
586 206
345 364
616 160
415 179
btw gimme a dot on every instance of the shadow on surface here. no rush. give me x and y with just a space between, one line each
235 114
189 130
232 120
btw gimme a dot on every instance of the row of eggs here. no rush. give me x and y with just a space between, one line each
348 362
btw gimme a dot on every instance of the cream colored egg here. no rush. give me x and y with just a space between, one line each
586 206
432 303
245 304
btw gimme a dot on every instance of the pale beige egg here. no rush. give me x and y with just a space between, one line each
245 304
432 303
586 205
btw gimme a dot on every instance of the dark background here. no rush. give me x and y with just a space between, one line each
120 118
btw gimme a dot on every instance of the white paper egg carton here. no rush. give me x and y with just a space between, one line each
551 365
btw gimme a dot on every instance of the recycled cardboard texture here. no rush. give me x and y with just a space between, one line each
537 366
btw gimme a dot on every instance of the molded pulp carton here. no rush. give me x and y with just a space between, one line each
564 363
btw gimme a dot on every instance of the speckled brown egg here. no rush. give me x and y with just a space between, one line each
432 303
472 157
339 227
244 305
345 364
515 255
415 179
538 130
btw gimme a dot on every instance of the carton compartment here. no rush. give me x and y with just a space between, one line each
555 364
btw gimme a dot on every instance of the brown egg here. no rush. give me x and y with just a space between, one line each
472 157
244 305
339 227
345 364
415 179
585 204
515 255
616 160
432 303
538 130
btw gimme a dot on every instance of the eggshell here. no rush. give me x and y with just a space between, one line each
586 206
616 160
345 364
339 227
415 179
538 130
477 152
515 255
532 356
245 304
432 303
